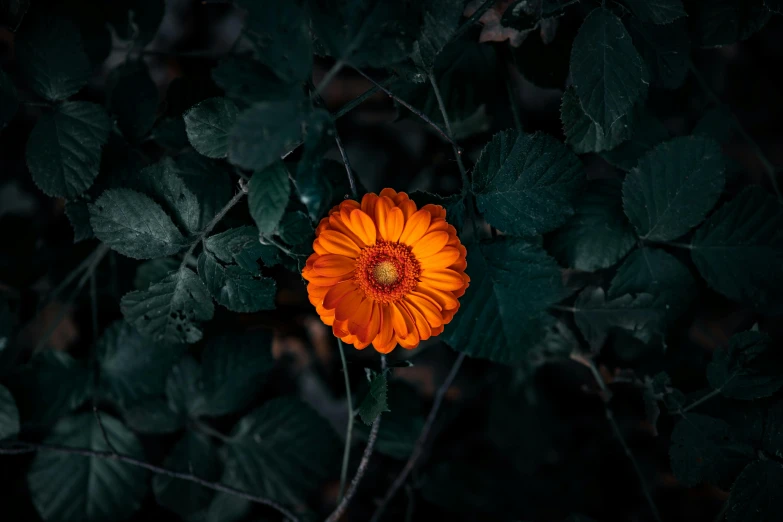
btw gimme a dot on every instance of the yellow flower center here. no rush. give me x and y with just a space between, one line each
385 273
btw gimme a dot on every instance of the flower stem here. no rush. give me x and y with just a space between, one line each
349 431
457 150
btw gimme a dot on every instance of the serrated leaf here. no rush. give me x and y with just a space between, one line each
673 187
153 416
665 49
284 450
739 249
8 100
726 22
609 75
748 369
756 494
295 228
441 19
153 271
9 414
132 368
247 81
503 311
50 56
236 288
171 309
12 12
70 487
583 134
64 149
234 369
162 182
268 193
657 11
184 388
526 184
133 99
78 213
134 225
195 454
240 245
648 132
208 125
374 403
209 180
596 317
704 449
598 234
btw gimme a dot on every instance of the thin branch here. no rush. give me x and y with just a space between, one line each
483 8
701 400
212 432
351 416
411 108
328 77
418 449
349 106
512 97
31 447
215 220
457 150
347 164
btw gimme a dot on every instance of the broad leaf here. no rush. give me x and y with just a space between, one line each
609 75
8 100
162 183
526 184
153 416
648 132
170 133
247 81
657 11
441 19
598 234
209 180
133 99
267 197
749 369
374 403
134 225
296 229
673 187
171 309
401 425
64 149
241 246
76 488
184 389
208 125
665 49
78 213
756 494
583 134
153 271
503 312
236 288
9 415
726 22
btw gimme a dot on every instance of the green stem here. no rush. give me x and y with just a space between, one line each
457 150
702 400
349 431
215 220
329 76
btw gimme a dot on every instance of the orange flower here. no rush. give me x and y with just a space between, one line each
386 273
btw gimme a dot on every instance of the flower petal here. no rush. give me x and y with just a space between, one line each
382 208
368 204
371 328
389 193
443 259
347 306
401 321
408 208
442 279
445 299
386 330
359 321
336 294
426 308
395 221
421 323
416 227
333 265
362 226
430 244
338 243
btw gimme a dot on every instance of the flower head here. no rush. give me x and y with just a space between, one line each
385 272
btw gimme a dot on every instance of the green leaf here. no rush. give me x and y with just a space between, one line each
705 449
153 416
526 184
171 309
266 131
596 317
162 182
502 313
209 180
208 125
9 415
240 245
441 19
648 132
50 57
657 11
665 49
726 22
756 494
609 75
454 206
748 369
246 81
68 487
598 234
234 370
78 213
268 193
772 440
739 250
284 450
402 422
362 34
673 187
296 229
583 134
8 100
64 149
716 123
170 133
134 225
12 12
236 288
374 403
184 389
137 20
132 368
194 454
133 99
153 271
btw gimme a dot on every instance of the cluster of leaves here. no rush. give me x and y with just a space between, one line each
559 264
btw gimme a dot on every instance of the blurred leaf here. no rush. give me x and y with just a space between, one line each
246 81
756 494
170 133
209 124
66 487
673 187
49 54
441 19
583 134
8 100
134 225
133 99
137 20
748 369
236 288
402 422
525 184
267 198
64 149
648 132
716 123
78 212
725 22
240 245
657 11
171 309
162 183
374 403
9 414
153 271
185 390
598 234
665 49
503 312
296 229
153 416
609 75
209 180
12 12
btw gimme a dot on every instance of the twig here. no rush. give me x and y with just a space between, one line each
513 99
31 447
701 400
349 106
418 449
347 164
215 220
72 275
351 415
411 108
457 150
212 432
483 8
328 77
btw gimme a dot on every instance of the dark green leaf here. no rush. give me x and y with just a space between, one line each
246 81
49 53
673 187
64 149
525 184
648 132
374 403
153 416
295 229
209 180
716 123
236 288
725 22
162 182
133 99
704 449
665 49
9 415
756 494
134 225
8 100
240 245
401 425
153 271
137 19
184 389
749 369
284 450
609 75
234 369
598 234
583 134
12 12
171 309
170 133
502 313
772 440
67 487
739 250
78 212
441 19
657 11
267 197
209 124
